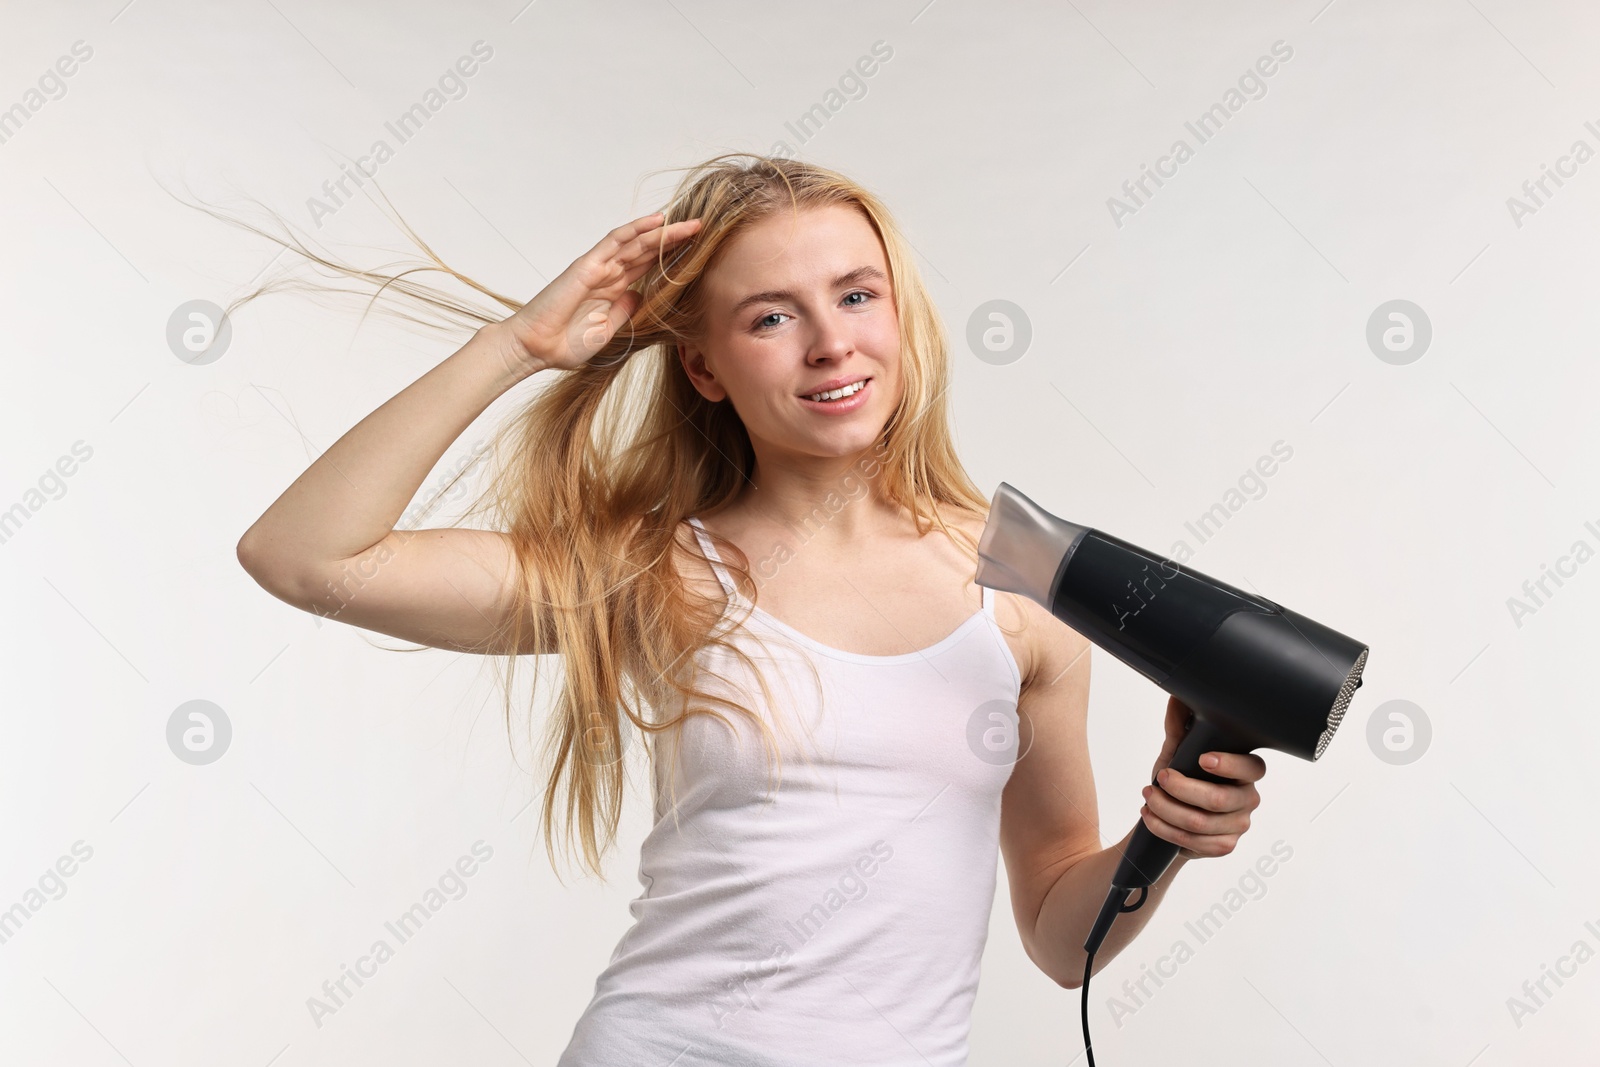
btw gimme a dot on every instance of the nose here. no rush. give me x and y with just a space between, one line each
831 340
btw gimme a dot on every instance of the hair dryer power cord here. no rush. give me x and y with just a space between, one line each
1088 969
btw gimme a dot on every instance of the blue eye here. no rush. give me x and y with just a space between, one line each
762 323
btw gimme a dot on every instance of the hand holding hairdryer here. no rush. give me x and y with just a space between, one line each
1224 807
1255 674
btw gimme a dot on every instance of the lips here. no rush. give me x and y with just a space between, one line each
842 393
844 405
836 383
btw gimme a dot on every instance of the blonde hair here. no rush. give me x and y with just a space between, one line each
605 463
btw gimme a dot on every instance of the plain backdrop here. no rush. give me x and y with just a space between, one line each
1439 851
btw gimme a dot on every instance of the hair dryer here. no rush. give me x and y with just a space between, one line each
1256 675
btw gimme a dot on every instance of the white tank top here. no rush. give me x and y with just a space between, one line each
841 917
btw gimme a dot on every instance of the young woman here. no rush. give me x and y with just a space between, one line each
746 401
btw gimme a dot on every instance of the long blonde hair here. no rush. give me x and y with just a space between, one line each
604 464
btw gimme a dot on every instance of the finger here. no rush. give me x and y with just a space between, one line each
616 244
1208 796
629 264
1239 766
1201 844
1185 816
622 310
607 246
665 249
643 248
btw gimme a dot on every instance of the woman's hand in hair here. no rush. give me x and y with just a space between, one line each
574 316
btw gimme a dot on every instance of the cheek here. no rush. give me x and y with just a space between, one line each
886 334
756 381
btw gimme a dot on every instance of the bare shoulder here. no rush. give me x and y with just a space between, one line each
1047 645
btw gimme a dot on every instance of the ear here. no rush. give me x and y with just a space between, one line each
700 375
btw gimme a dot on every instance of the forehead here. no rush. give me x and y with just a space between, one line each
804 248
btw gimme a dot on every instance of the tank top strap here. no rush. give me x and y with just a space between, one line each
988 601
711 553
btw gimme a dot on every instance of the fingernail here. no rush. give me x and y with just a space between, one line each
1210 761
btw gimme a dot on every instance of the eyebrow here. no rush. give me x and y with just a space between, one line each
857 275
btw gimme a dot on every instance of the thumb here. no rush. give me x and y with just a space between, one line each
623 309
618 318
624 306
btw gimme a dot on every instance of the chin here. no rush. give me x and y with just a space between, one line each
856 440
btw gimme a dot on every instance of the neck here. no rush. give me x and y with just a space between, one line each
836 501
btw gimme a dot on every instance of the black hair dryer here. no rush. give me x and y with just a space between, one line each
1256 675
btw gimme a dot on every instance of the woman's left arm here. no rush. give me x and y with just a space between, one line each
1058 872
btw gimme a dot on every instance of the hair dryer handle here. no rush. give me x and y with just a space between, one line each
1148 856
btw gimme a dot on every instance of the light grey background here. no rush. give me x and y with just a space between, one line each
1228 312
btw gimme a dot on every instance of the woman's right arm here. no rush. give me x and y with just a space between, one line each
328 544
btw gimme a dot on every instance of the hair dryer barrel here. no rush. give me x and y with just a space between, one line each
1142 608
1265 675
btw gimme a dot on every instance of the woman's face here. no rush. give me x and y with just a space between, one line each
795 303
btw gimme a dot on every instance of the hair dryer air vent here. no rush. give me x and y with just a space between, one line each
1352 682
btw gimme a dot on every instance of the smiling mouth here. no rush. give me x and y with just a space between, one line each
842 393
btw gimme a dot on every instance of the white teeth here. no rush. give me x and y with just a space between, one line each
853 387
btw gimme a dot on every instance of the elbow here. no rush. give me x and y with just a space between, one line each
1066 973
251 558
1069 979
269 570
244 551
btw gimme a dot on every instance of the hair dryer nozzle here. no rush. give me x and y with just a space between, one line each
1024 547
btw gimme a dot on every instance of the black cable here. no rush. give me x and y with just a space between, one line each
1088 969
1088 1046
